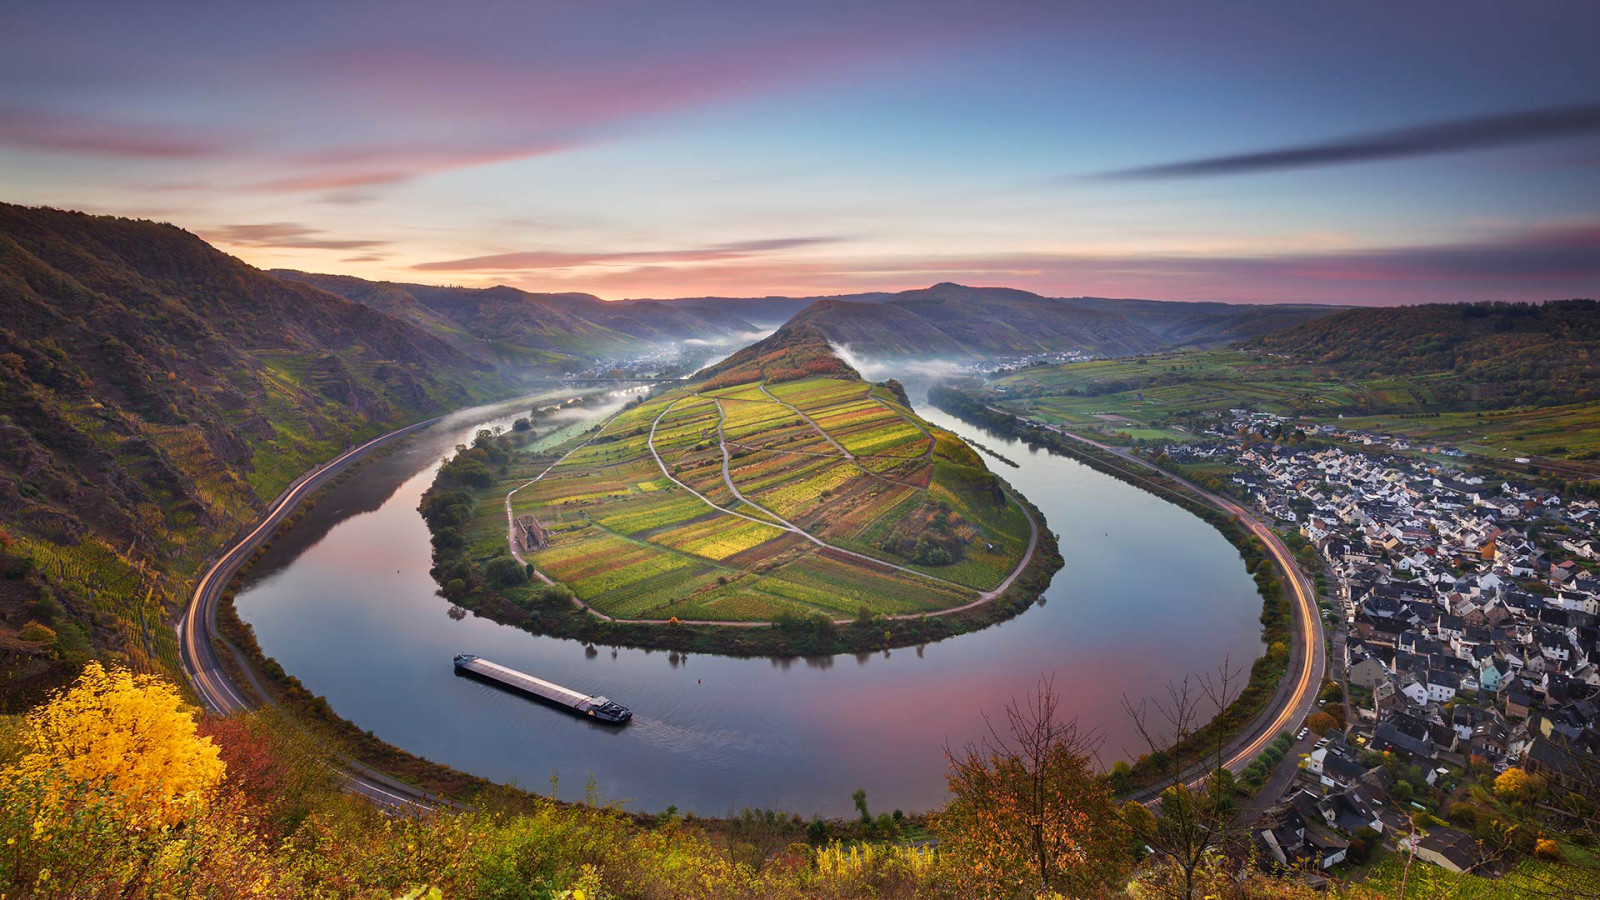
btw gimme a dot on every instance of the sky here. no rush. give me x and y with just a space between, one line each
1357 152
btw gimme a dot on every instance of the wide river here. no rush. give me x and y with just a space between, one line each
1149 593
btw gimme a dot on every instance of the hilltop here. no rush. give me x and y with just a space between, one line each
793 351
154 393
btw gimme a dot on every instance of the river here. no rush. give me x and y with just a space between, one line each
344 601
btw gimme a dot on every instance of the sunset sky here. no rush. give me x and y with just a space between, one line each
1331 152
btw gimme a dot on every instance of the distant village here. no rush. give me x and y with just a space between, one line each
1466 611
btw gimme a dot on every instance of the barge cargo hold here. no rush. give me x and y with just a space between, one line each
598 708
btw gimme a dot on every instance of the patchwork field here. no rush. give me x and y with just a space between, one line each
1151 396
757 500
1156 397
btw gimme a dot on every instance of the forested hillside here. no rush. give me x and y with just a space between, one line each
1498 354
154 393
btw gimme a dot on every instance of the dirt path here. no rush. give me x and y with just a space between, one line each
982 596
511 519
812 422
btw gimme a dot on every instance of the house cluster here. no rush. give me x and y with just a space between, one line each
1472 609
1230 423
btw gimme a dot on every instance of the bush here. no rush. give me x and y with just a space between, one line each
1462 815
39 634
503 571
1362 843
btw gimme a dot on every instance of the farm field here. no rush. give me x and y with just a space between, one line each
1559 432
1153 398
753 511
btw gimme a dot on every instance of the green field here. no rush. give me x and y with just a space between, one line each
633 540
1569 432
1161 397
1156 392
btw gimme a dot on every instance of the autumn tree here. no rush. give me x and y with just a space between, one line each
1321 723
1191 817
1028 812
103 773
129 734
279 770
1519 785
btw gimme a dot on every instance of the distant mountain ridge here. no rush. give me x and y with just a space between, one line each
510 326
1175 323
957 321
505 324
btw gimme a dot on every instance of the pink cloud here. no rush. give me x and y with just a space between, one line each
286 235
34 129
556 259
417 99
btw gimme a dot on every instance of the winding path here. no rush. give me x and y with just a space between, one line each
982 596
809 421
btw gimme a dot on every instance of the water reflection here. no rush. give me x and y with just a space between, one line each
346 604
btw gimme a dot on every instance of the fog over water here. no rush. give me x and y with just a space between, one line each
346 604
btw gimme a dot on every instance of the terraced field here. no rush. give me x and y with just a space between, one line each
751 501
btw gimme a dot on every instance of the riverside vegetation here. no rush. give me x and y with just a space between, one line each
250 806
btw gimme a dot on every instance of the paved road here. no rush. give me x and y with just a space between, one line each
198 641
1296 696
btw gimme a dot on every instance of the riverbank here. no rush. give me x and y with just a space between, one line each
228 671
254 679
1268 673
345 602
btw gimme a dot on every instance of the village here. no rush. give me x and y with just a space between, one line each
1461 612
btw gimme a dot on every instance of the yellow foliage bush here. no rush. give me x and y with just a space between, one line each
1519 785
130 735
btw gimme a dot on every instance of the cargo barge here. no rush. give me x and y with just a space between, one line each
598 708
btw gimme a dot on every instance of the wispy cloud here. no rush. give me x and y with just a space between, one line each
339 114
1423 140
560 259
289 235
34 129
